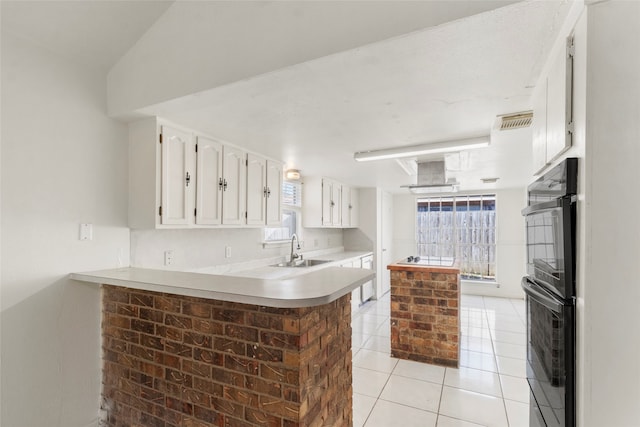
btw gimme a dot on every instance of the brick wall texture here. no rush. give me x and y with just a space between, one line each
425 323
172 360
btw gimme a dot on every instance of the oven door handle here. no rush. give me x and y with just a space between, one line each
546 206
552 204
533 291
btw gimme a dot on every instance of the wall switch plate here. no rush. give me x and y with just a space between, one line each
86 231
227 251
168 257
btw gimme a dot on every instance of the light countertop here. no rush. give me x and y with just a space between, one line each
398 266
269 286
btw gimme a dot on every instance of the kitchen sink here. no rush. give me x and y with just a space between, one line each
301 263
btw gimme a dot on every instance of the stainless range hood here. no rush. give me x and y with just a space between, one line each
432 179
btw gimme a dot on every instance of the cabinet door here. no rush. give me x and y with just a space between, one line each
256 189
327 201
559 103
234 186
178 177
209 182
274 193
354 207
336 204
349 208
539 128
346 206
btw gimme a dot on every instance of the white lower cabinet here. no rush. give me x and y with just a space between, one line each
368 289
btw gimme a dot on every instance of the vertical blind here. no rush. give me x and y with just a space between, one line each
461 228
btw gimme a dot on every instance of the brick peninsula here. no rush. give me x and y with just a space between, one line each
192 349
425 317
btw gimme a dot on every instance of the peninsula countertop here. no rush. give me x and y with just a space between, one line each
304 289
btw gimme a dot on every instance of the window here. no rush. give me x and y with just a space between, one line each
461 228
291 204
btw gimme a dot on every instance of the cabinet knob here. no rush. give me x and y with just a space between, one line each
224 185
187 179
220 184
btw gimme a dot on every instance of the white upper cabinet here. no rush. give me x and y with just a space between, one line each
234 186
162 175
264 188
553 110
181 179
209 182
178 176
349 204
256 189
539 127
274 193
331 207
559 103
328 203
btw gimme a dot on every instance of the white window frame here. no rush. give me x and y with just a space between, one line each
488 234
296 208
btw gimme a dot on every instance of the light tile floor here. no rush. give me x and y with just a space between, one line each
489 388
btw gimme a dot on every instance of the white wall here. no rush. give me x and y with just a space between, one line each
611 386
510 241
64 162
200 248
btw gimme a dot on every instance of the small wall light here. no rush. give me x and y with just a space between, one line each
292 174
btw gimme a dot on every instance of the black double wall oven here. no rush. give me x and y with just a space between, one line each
550 295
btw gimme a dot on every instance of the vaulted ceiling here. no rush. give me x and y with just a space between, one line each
418 80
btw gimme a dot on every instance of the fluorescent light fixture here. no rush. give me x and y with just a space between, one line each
422 149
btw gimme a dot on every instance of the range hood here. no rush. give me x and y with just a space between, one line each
432 179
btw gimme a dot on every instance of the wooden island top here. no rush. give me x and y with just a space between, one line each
422 268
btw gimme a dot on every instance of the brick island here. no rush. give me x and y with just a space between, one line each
181 349
425 324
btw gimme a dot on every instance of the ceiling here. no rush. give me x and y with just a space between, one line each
441 83
94 33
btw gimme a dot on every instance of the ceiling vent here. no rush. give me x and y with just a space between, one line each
514 121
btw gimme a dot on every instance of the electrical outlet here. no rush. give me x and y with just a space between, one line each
227 251
168 257
86 231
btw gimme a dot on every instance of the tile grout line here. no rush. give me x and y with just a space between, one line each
495 357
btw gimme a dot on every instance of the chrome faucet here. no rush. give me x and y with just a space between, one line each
293 254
